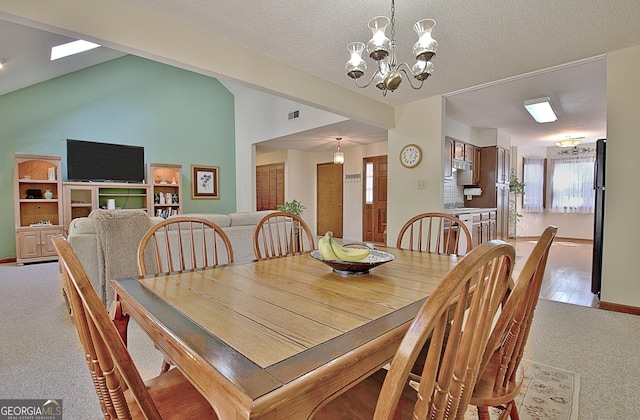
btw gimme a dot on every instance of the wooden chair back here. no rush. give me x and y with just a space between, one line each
183 243
458 324
437 233
111 367
279 234
506 345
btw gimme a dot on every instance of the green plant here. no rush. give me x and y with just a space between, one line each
516 188
293 207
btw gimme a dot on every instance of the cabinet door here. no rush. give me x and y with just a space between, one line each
47 245
502 214
29 244
458 150
503 166
469 153
448 157
476 166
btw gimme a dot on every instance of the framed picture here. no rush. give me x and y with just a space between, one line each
205 182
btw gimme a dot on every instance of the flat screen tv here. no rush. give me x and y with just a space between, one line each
104 162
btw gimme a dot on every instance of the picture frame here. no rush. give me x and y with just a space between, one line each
205 182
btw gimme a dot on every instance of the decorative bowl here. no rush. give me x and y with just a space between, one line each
363 266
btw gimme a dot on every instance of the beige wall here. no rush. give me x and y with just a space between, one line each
620 278
422 123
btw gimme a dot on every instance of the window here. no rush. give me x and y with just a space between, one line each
368 188
533 176
572 184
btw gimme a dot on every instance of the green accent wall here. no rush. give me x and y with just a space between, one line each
178 116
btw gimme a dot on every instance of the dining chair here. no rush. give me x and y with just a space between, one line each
452 363
501 373
183 243
434 232
121 391
279 234
177 244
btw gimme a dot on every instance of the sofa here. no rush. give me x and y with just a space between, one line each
106 241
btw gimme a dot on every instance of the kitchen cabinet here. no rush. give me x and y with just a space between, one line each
37 200
458 150
484 227
475 177
494 182
448 157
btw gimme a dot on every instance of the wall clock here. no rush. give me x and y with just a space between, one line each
410 155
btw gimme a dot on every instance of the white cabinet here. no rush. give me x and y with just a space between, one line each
37 206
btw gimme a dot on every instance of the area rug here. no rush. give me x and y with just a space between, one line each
547 393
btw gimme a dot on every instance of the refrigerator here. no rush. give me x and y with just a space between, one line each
598 222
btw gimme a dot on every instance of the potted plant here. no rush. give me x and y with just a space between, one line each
516 189
296 208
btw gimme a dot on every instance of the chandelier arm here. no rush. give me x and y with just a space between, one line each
369 82
404 68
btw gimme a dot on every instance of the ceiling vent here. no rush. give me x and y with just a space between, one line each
293 115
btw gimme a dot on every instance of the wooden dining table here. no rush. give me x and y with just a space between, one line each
278 338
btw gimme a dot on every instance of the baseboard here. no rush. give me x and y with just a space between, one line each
8 261
616 307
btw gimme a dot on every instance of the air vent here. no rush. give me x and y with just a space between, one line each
294 115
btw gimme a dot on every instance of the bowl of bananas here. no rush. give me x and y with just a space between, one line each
349 259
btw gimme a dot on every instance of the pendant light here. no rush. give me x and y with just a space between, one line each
338 155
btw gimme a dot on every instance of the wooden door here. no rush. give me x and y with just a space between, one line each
374 206
269 186
329 207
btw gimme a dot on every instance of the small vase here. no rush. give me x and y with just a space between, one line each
48 194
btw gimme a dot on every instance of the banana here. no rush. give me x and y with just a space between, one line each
348 254
325 249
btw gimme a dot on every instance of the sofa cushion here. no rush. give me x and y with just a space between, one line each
248 218
221 220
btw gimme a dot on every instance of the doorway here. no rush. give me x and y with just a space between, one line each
330 200
374 206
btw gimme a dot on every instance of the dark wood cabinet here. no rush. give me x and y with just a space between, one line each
494 181
448 157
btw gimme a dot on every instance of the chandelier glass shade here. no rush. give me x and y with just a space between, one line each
338 155
381 49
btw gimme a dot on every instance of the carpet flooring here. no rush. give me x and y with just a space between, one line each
40 355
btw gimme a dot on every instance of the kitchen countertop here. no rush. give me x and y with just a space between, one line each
468 210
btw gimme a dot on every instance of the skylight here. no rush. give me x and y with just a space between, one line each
70 48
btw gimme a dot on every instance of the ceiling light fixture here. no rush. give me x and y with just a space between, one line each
2 63
541 110
569 142
70 48
382 49
338 155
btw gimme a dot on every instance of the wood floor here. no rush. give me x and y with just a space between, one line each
568 274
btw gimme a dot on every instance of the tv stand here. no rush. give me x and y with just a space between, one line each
80 198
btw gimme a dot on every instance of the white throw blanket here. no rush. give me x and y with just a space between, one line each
118 232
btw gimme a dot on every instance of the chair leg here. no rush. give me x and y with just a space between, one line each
483 413
509 411
513 410
119 318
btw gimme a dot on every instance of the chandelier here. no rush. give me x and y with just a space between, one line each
387 76
569 141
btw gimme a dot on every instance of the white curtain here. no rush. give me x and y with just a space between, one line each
533 178
572 184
